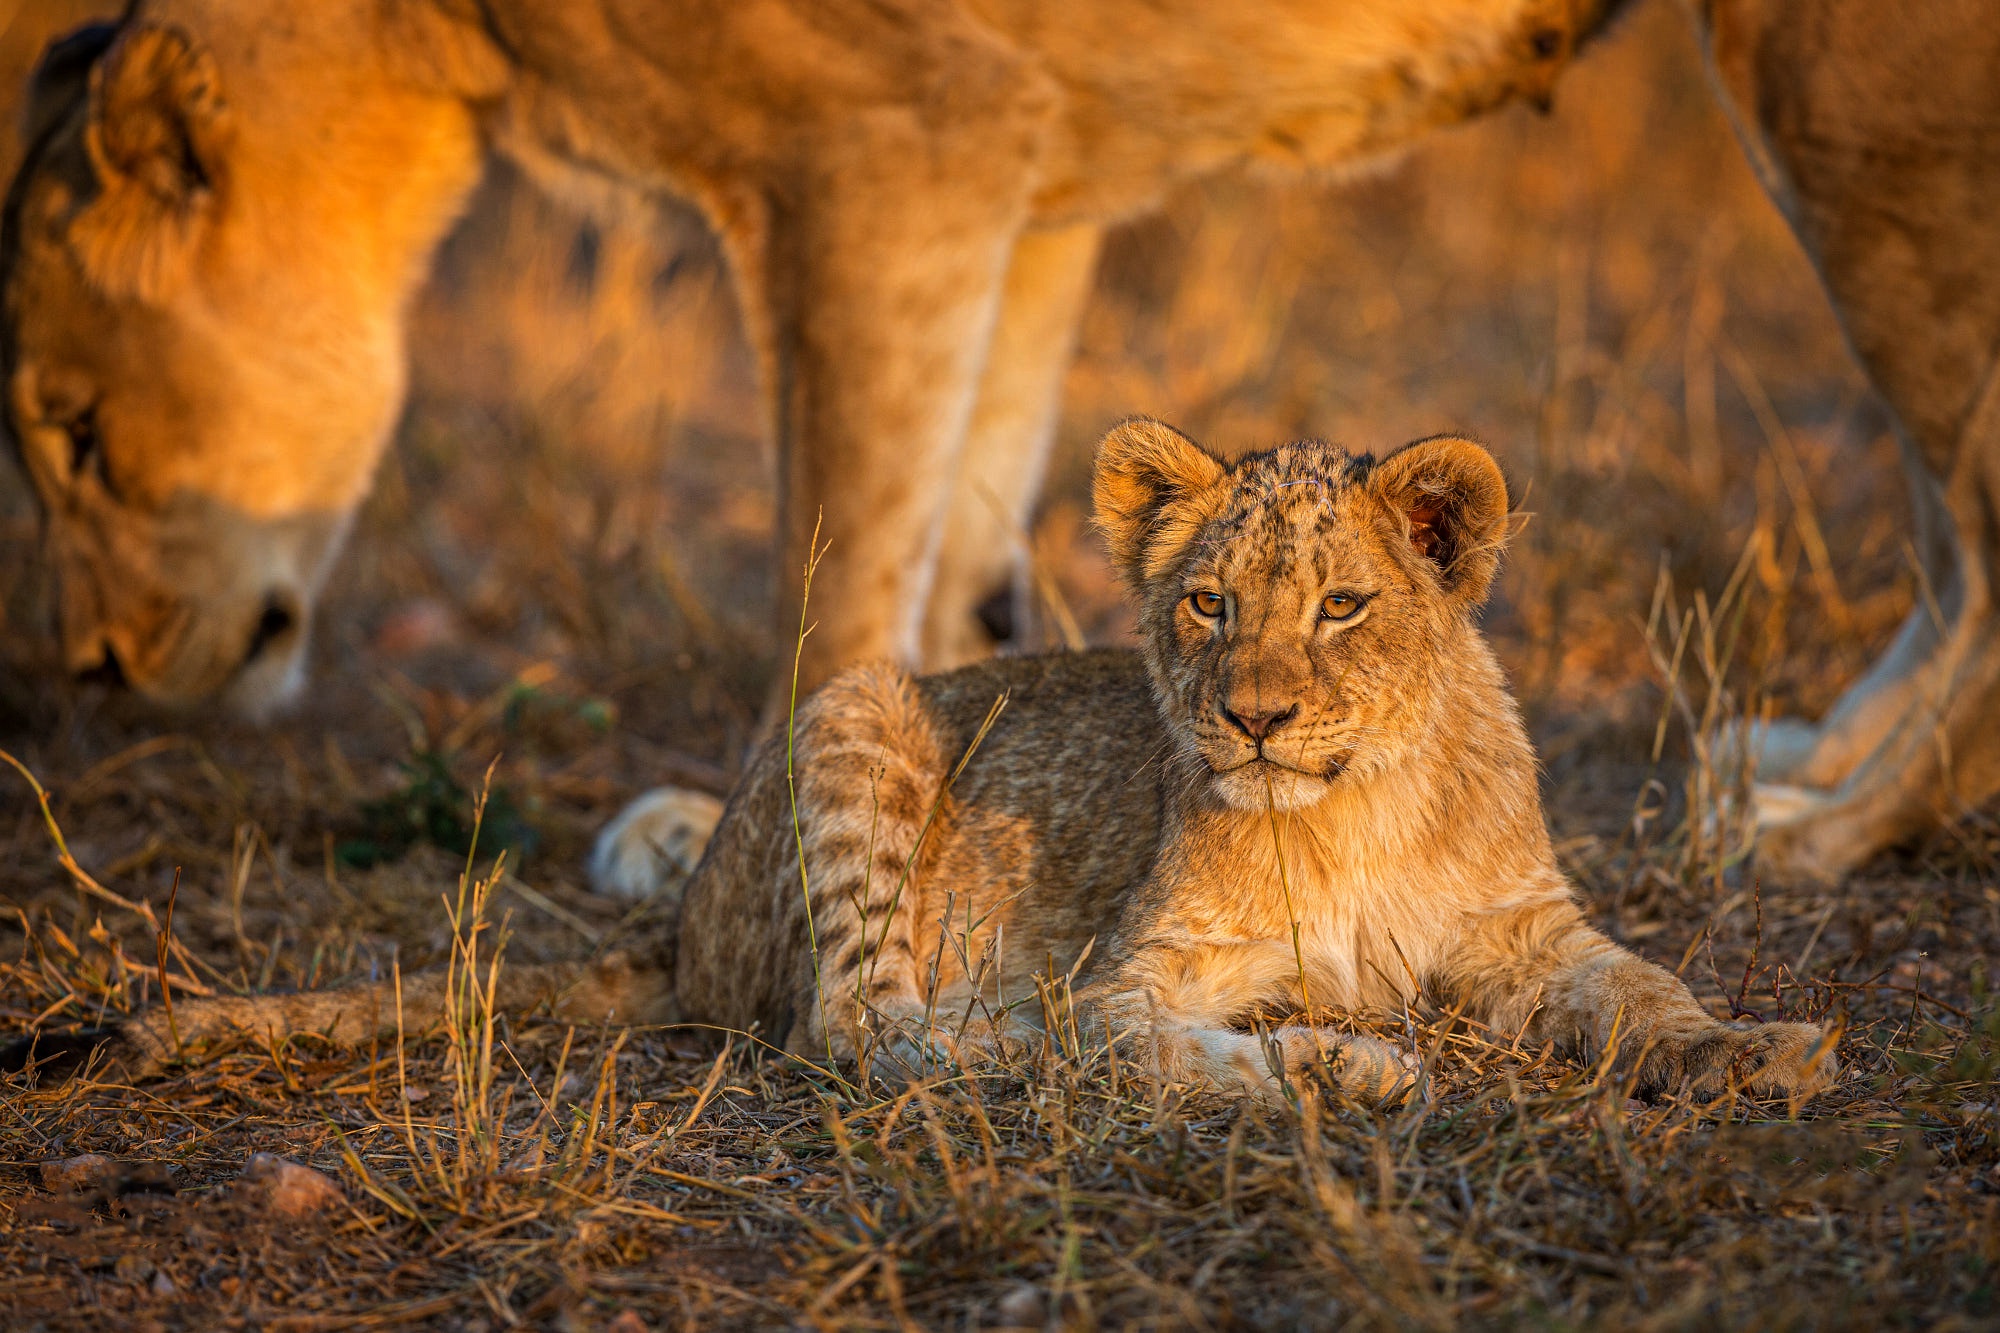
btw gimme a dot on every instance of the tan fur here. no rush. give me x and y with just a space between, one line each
1265 811
223 214
229 202
1119 805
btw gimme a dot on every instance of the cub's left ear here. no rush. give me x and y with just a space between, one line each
1453 503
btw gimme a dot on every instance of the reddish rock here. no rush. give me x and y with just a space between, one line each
288 1189
80 1175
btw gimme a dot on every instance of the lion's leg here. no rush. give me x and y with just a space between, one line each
1924 749
872 282
1174 1012
1940 757
1543 969
1824 94
980 595
1796 753
827 959
621 988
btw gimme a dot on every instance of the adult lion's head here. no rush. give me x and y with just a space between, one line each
203 265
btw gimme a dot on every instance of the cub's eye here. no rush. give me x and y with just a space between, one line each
1341 606
1208 605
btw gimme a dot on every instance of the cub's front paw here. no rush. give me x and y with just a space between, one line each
655 840
1372 1070
1776 1059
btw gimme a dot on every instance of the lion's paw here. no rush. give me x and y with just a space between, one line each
1806 836
1372 1070
655 840
1774 1059
1785 1059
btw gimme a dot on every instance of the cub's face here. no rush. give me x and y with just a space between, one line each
1300 610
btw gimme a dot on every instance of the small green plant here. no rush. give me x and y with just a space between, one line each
433 806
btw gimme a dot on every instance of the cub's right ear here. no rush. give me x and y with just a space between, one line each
1146 473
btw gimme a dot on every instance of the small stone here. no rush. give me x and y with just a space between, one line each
414 627
162 1284
132 1268
626 1322
1024 1307
288 1189
78 1175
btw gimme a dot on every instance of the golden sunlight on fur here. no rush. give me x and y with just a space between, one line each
1308 790
1307 797
225 207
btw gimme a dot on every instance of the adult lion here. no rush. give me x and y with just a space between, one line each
226 204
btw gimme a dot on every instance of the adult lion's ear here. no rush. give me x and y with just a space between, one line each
1146 472
1452 501
62 78
155 137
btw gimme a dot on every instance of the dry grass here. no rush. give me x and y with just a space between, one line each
564 565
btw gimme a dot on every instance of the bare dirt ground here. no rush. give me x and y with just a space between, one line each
564 568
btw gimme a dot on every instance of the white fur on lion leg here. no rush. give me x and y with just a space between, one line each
654 840
1779 746
1777 805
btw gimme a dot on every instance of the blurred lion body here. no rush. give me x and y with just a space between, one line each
1309 791
226 206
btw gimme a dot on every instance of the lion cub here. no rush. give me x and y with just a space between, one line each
1308 788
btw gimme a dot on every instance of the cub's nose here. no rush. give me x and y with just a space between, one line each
1259 725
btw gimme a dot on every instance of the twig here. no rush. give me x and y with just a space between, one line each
160 945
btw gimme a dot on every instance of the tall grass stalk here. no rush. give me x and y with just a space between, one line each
814 553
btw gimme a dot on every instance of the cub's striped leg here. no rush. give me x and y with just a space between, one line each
870 770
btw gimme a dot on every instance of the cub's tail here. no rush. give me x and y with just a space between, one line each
621 988
651 847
